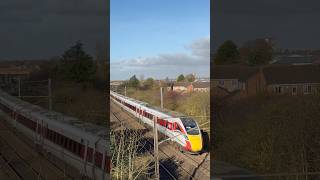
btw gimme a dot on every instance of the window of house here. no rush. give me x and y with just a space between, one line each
278 89
221 82
307 89
234 82
294 90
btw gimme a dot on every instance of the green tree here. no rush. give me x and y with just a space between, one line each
180 78
190 77
133 82
256 52
77 65
148 83
227 53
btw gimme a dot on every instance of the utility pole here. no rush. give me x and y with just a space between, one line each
161 94
50 94
156 154
125 90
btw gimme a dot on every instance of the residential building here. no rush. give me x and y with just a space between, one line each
244 79
292 80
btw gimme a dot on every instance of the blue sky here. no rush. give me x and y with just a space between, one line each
147 32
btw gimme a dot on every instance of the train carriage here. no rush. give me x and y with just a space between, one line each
83 146
179 128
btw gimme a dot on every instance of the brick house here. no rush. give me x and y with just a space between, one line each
10 74
199 87
244 79
178 86
292 80
189 87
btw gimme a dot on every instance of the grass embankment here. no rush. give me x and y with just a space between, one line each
270 134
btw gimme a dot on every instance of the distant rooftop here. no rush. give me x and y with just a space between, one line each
240 72
294 59
290 74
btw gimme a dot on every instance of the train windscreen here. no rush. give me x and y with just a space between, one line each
190 125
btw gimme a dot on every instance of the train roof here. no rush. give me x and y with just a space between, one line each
56 117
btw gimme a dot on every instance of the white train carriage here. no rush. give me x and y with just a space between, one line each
181 129
82 145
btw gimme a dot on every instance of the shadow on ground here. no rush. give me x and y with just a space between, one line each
168 169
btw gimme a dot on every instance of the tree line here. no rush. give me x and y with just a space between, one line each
149 83
254 52
76 65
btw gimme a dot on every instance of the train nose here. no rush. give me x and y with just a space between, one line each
196 142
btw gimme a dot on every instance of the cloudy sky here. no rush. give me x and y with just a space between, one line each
35 29
292 23
159 38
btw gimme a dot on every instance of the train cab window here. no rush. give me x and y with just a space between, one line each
190 126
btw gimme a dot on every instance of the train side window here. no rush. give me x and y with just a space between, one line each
89 154
98 159
49 134
107 165
75 147
58 139
48 137
169 125
70 145
66 143
54 136
177 127
63 138
82 149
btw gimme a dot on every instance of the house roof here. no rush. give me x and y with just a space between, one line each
185 84
201 84
13 71
240 72
290 74
294 60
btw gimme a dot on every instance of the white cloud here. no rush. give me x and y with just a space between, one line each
197 60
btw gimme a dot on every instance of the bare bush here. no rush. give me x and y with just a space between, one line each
126 161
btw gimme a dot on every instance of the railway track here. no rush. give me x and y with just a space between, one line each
189 166
18 161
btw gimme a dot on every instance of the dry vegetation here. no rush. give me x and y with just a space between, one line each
127 160
87 104
269 134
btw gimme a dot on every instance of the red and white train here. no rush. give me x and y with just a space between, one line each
81 145
181 129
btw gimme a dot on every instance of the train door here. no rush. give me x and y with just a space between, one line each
44 133
37 133
178 132
85 144
137 111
